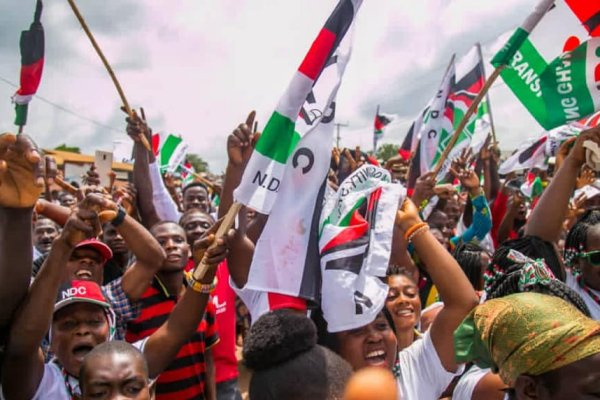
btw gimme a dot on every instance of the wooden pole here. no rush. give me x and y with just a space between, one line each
466 118
227 223
107 66
487 97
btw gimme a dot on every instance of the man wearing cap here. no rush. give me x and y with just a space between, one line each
79 316
90 256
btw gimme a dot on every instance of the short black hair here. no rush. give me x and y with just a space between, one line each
109 348
194 211
194 184
399 270
287 363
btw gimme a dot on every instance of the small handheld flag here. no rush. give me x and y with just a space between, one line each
32 64
381 121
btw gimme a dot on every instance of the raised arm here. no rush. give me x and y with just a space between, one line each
24 361
141 170
454 288
547 217
240 144
21 182
164 344
149 257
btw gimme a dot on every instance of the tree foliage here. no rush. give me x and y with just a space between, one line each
386 151
71 149
197 162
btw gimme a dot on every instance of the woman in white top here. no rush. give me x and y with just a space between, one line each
426 367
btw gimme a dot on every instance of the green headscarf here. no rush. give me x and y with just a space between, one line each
525 333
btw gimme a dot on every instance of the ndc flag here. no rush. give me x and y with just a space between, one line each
286 258
264 173
355 238
32 64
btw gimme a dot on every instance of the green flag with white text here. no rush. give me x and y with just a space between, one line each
557 83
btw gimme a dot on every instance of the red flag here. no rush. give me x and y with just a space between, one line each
588 12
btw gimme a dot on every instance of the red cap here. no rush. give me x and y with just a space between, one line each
80 291
97 245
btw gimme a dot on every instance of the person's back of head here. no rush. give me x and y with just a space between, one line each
281 349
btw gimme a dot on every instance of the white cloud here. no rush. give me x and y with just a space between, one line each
199 67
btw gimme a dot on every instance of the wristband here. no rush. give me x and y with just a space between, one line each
413 229
118 220
204 288
417 231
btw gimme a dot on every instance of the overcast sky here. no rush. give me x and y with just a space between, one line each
199 66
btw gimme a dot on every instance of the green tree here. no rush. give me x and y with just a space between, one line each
71 149
197 162
386 151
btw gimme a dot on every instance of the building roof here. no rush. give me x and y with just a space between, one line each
75 158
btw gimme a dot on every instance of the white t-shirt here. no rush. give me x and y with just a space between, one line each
53 387
422 375
589 301
466 385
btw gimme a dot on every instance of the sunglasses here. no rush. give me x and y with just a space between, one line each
593 257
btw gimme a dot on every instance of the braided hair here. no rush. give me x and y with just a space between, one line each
468 256
509 284
576 239
530 246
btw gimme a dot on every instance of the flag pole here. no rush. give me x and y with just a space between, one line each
128 109
503 57
466 118
228 221
487 96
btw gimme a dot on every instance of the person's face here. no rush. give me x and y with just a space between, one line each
579 380
439 236
67 200
114 240
115 377
44 232
403 302
196 197
591 272
452 211
76 330
172 239
522 212
85 264
371 345
440 220
195 225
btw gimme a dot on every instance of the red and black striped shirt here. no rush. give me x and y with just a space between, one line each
185 377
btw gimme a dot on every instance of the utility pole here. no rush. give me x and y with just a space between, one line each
337 139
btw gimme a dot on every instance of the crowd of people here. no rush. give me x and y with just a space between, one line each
491 294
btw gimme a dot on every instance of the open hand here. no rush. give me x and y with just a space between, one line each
22 171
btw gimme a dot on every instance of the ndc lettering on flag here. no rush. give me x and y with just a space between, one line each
287 174
259 185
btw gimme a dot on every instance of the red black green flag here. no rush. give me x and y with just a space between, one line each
588 13
32 64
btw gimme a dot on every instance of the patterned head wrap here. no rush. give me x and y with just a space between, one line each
526 333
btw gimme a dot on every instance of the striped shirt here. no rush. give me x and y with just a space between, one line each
185 377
